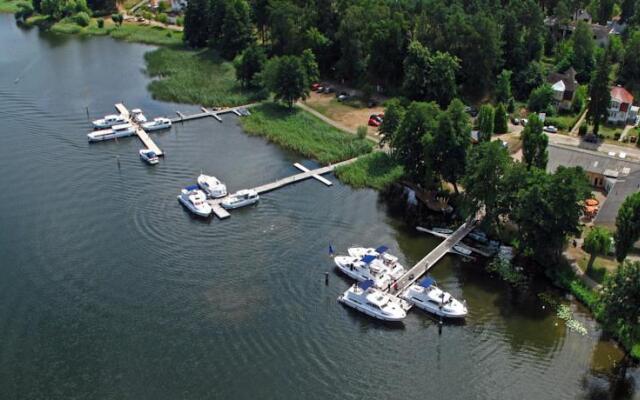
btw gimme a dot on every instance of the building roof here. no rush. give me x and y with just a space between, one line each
568 78
588 160
625 174
583 15
621 94
618 193
600 32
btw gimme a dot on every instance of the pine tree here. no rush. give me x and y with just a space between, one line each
599 93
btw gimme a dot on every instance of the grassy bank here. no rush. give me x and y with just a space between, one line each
376 170
130 32
300 131
196 77
565 278
10 6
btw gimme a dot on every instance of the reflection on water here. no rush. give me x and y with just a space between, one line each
111 290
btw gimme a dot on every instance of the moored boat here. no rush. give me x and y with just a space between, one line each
108 121
157 124
395 269
366 268
212 186
116 131
149 156
195 201
138 116
365 298
427 296
241 198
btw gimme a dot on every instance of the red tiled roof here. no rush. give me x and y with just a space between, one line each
622 94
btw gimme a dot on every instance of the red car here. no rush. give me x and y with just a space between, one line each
315 86
374 122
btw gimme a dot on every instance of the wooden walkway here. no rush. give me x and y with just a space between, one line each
210 113
433 257
315 173
445 235
141 133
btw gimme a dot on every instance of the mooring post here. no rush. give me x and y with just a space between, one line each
326 278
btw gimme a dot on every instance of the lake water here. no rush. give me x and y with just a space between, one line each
110 290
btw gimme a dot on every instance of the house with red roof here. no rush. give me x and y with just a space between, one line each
621 109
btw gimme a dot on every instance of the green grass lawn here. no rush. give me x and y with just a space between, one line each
376 170
10 6
564 122
196 77
607 131
300 131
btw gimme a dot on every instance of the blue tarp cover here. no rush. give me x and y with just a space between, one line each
426 282
192 187
382 249
366 284
368 258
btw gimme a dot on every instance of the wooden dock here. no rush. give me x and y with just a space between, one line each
306 174
141 133
434 256
206 113
445 235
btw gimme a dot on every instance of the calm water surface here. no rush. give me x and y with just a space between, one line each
110 290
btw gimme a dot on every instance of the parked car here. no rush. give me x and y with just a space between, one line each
328 89
550 129
377 117
515 121
524 121
343 96
315 86
374 122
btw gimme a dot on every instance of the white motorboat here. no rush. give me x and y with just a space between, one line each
212 186
395 269
149 156
430 298
365 298
108 121
138 116
116 131
195 201
241 198
157 124
366 268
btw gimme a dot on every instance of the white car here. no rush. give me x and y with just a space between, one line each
550 129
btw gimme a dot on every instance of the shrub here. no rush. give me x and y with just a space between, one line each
82 18
162 17
100 22
147 15
361 132
180 21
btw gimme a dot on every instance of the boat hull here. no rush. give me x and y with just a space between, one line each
239 204
365 310
109 136
187 204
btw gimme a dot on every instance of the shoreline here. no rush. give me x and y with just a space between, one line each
354 175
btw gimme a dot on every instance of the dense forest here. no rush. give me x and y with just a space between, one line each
426 49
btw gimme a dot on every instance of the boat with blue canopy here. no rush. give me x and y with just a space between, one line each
366 298
427 296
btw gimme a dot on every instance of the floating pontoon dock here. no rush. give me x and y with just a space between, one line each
306 174
434 256
446 235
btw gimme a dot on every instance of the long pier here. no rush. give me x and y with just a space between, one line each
268 187
239 111
434 256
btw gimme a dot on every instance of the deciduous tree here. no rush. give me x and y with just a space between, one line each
534 144
599 93
486 117
627 226
596 243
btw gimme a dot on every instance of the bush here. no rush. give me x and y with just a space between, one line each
180 21
163 18
82 18
147 15
25 10
361 132
100 22
117 18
